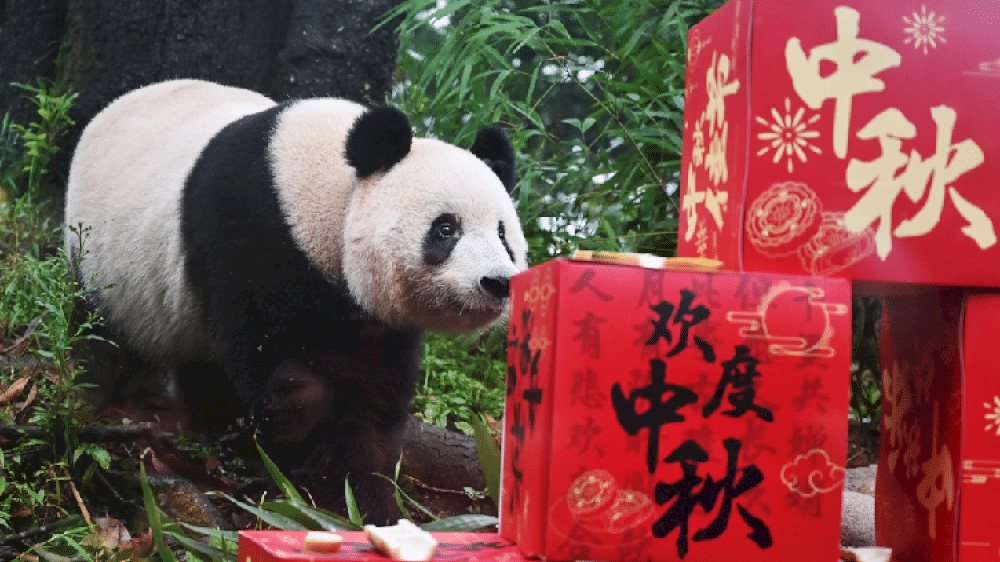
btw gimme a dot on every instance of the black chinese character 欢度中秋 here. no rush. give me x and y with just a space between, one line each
689 454
659 413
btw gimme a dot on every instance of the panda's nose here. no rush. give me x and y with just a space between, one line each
498 287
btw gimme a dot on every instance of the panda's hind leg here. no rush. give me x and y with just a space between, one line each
119 382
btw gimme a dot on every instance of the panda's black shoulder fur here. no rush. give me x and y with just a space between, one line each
263 298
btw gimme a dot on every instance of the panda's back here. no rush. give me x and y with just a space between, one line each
125 185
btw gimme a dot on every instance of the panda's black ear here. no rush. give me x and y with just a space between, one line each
493 147
379 139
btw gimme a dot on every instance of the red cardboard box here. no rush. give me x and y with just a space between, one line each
286 546
855 138
939 466
664 415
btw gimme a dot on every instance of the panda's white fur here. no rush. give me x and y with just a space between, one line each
130 168
125 185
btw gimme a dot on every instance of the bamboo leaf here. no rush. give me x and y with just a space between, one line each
489 456
312 518
155 517
352 505
283 483
460 523
273 519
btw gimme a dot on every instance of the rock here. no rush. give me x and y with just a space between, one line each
181 500
857 519
861 479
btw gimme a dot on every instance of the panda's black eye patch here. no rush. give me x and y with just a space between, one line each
441 238
502 232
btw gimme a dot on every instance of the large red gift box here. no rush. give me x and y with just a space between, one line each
939 466
664 415
287 546
855 138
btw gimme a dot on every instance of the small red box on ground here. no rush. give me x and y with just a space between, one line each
939 466
855 138
664 415
286 546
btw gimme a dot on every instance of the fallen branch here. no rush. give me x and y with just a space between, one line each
41 530
90 433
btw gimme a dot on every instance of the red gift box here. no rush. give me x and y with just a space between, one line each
855 138
939 464
658 415
286 546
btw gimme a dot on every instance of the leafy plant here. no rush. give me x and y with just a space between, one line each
29 226
592 93
290 513
27 173
462 376
37 297
29 217
866 381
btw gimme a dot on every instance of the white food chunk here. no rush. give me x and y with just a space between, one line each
403 541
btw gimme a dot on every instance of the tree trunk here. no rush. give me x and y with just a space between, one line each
105 48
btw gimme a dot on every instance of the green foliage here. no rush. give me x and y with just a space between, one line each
592 93
27 151
38 294
42 293
29 217
37 298
866 389
290 513
462 376
29 226
489 457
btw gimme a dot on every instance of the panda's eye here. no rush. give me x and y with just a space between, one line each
446 229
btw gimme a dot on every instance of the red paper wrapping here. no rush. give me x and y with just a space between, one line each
665 415
286 546
855 138
939 466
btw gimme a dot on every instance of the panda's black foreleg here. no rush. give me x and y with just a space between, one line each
251 301
369 388
365 456
371 480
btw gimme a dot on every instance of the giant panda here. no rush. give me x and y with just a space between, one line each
286 259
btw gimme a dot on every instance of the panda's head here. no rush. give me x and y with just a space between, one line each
431 237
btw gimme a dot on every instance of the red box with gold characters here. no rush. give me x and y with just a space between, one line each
287 546
939 466
657 414
855 138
